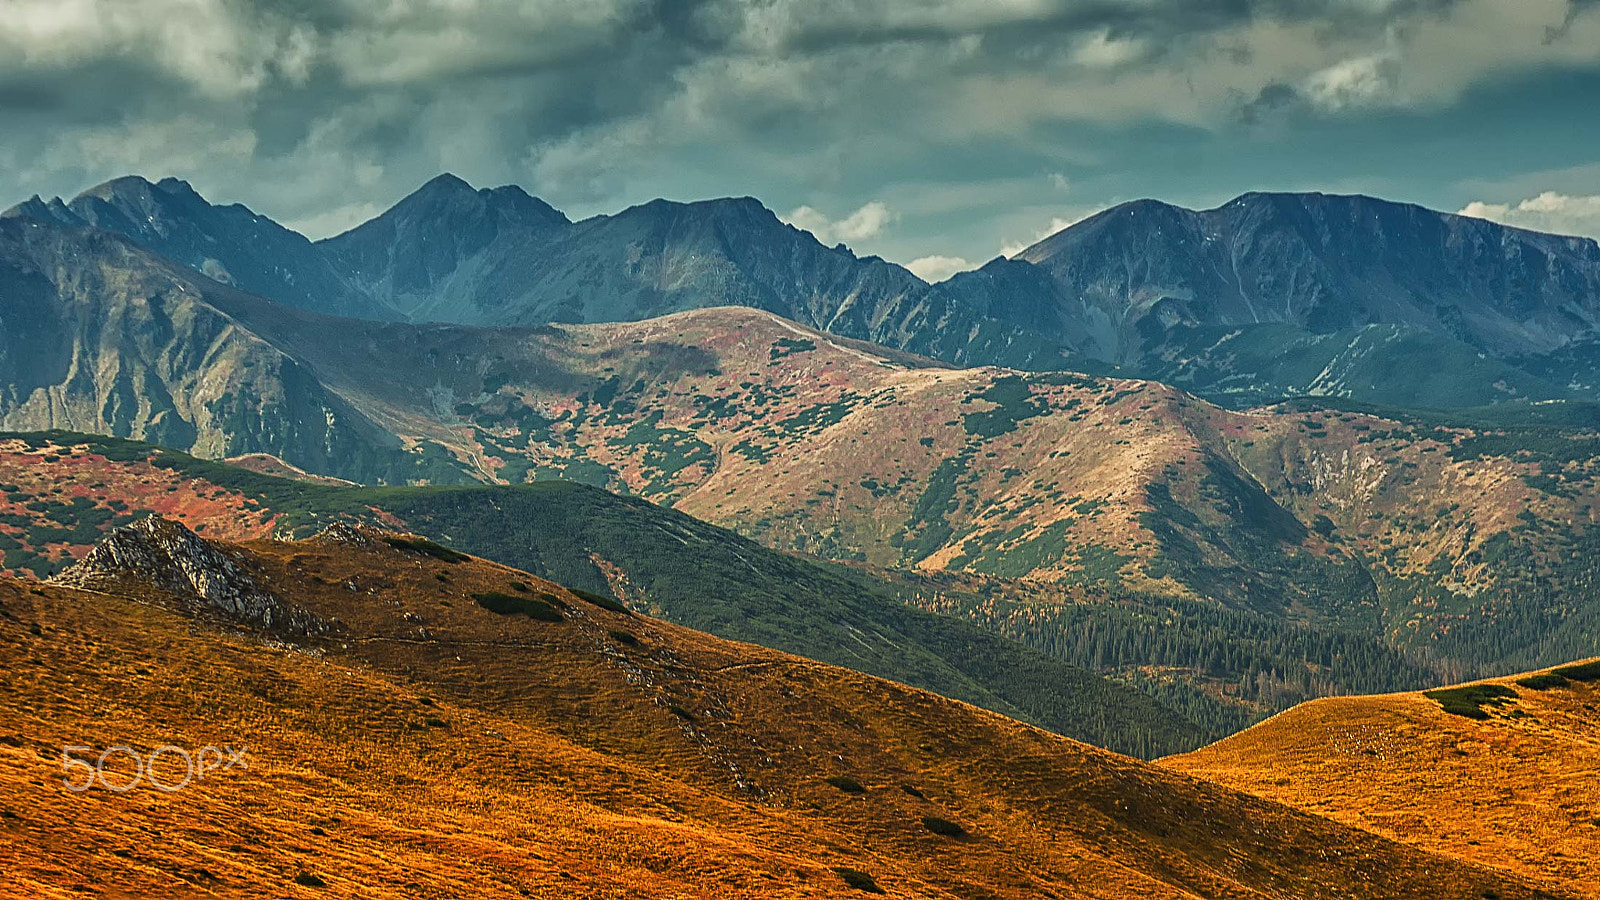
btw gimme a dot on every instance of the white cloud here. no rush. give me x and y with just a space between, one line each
334 221
1550 211
933 269
1358 81
220 49
1012 248
600 104
866 222
179 146
1102 51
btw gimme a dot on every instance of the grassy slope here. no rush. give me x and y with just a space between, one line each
433 747
657 559
1513 789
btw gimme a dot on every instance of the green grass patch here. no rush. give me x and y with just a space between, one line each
513 604
1470 700
790 346
1013 404
426 548
602 601
1544 681
1582 672
857 879
846 783
943 827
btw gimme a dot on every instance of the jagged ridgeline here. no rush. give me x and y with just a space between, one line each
1267 296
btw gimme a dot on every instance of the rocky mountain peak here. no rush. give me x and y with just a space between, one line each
165 555
446 202
37 207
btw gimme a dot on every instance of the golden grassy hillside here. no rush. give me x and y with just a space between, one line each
1518 789
423 745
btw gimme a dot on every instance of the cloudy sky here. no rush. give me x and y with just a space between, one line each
937 134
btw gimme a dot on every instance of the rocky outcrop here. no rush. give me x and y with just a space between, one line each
100 335
165 555
345 534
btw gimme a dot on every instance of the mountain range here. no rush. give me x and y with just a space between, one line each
1462 542
1267 296
1228 563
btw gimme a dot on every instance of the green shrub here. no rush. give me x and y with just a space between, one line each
425 547
602 601
846 783
943 827
1543 681
511 604
1470 700
1583 672
859 880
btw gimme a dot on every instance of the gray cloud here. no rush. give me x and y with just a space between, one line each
1575 8
319 112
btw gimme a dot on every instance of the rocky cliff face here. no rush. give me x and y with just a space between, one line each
100 335
166 556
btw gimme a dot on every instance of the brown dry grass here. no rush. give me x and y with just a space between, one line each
1519 791
433 749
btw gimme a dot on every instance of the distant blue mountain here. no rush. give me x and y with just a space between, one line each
1269 295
